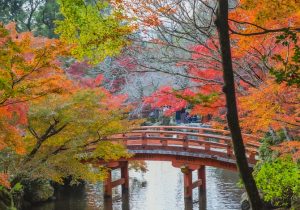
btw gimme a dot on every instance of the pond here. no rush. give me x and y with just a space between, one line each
160 188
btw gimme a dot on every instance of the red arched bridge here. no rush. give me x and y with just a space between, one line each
188 148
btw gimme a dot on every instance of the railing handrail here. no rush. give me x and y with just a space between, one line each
145 130
249 147
193 128
182 133
143 140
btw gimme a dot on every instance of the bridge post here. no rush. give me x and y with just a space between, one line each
124 139
252 156
200 131
125 176
188 183
207 145
108 204
202 177
123 181
144 140
164 142
229 149
185 142
108 186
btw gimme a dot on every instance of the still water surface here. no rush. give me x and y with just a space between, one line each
160 188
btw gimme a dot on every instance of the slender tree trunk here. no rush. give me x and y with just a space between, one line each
232 113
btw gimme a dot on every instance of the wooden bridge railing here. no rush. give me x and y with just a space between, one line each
172 137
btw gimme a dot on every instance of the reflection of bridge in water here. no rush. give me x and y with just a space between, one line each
188 203
188 148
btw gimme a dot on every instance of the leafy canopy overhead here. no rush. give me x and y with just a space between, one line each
94 29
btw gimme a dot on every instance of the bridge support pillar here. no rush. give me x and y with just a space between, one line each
108 186
125 176
188 183
202 177
123 181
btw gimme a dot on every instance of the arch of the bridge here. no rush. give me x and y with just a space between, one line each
199 142
191 148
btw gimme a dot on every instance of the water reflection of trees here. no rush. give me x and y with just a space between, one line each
66 198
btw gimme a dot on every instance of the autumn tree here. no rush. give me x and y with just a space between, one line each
29 70
64 131
258 25
232 112
184 37
185 44
223 28
47 119
182 42
277 96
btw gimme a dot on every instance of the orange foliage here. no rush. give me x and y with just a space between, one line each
289 147
29 70
4 180
12 118
29 66
268 13
254 16
271 105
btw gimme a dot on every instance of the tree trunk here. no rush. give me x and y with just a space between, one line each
232 113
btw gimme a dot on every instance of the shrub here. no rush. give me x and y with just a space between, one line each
279 180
